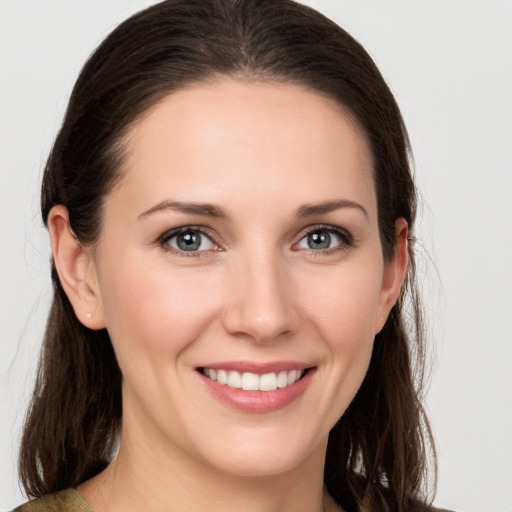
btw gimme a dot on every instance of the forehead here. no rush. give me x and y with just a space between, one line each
216 140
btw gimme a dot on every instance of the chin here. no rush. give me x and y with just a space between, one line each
261 454
257 466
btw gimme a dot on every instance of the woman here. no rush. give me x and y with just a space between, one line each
230 208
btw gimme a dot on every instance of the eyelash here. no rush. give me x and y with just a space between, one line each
346 239
163 241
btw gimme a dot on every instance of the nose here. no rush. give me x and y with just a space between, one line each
261 302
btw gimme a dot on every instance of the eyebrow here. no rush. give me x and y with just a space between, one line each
204 209
317 209
210 210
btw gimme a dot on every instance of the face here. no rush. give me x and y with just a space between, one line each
241 248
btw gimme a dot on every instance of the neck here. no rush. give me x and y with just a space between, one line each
150 473
132 484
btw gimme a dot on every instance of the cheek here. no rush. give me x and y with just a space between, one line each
151 309
344 306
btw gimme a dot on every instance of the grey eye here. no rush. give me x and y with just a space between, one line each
190 241
321 239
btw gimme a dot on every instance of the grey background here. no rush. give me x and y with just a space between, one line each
449 64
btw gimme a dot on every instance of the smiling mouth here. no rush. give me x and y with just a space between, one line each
249 381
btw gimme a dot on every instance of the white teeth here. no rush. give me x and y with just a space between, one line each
282 379
268 382
293 375
251 381
234 380
222 377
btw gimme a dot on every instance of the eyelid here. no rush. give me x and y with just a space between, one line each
345 235
171 233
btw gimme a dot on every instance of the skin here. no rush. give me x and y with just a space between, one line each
257 292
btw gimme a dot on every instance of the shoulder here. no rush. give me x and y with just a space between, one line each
416 507
421 507
435 509
69 500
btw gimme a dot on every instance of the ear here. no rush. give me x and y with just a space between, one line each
394 273
76 269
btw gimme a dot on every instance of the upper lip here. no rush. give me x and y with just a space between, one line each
256 367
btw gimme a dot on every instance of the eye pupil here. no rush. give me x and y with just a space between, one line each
319 240
189 241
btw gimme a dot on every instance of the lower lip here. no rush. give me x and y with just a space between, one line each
259 401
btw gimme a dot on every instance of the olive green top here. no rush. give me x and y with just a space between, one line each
71 500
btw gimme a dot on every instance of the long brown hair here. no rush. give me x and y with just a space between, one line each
377 452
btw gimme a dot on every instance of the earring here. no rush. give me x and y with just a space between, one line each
88 315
